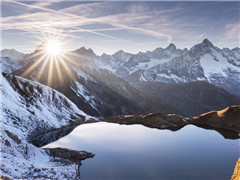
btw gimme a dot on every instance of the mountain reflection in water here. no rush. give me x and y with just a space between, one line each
138 152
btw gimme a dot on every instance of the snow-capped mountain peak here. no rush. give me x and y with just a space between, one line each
85 52
171 47
206 42
12 54
11 60
203 48
203 61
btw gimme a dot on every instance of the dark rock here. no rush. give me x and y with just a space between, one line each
153 120
71 155
5 178
192 98
13 137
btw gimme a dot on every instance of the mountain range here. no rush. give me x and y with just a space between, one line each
202 62
169 80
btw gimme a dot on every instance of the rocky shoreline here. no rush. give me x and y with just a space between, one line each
227 118
225 122
152 120
236 173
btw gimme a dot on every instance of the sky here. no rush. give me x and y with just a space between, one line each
109 26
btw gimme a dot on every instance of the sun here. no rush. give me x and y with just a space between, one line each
53 47
52 60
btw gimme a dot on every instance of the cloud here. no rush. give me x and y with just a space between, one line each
44 4
232 31
51 20
117 21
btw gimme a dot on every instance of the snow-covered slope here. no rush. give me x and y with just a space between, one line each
96 91
13 54
204 61
28 109
123 64
11 60
30 106
113 62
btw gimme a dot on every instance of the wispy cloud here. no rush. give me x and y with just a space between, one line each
232 31
127 23
65 20
49 19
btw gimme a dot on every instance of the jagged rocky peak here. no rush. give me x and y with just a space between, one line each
202 48
119 52
236 49
206 42
171 47
86 52
156 50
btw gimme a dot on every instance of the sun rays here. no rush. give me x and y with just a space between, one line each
47 62
50 64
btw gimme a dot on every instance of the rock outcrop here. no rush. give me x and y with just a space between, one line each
226 121
228 118
69 154
152 120
236 173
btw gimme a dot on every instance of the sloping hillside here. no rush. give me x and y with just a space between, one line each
29 109
192 98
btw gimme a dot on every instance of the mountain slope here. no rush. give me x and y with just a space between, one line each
98 92
29 109
123 64
203 61
113 62
34 106
11 60
192 98
13 54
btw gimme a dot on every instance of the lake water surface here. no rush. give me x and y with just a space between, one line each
136 152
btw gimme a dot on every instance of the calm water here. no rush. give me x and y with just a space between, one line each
137 152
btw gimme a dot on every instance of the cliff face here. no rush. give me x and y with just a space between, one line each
236 173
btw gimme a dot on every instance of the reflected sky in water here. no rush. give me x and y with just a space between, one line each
137 152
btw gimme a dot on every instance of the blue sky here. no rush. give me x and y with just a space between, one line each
109 26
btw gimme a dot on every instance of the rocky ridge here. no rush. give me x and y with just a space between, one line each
226 121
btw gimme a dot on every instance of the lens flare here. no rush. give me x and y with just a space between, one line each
53 47
50 61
